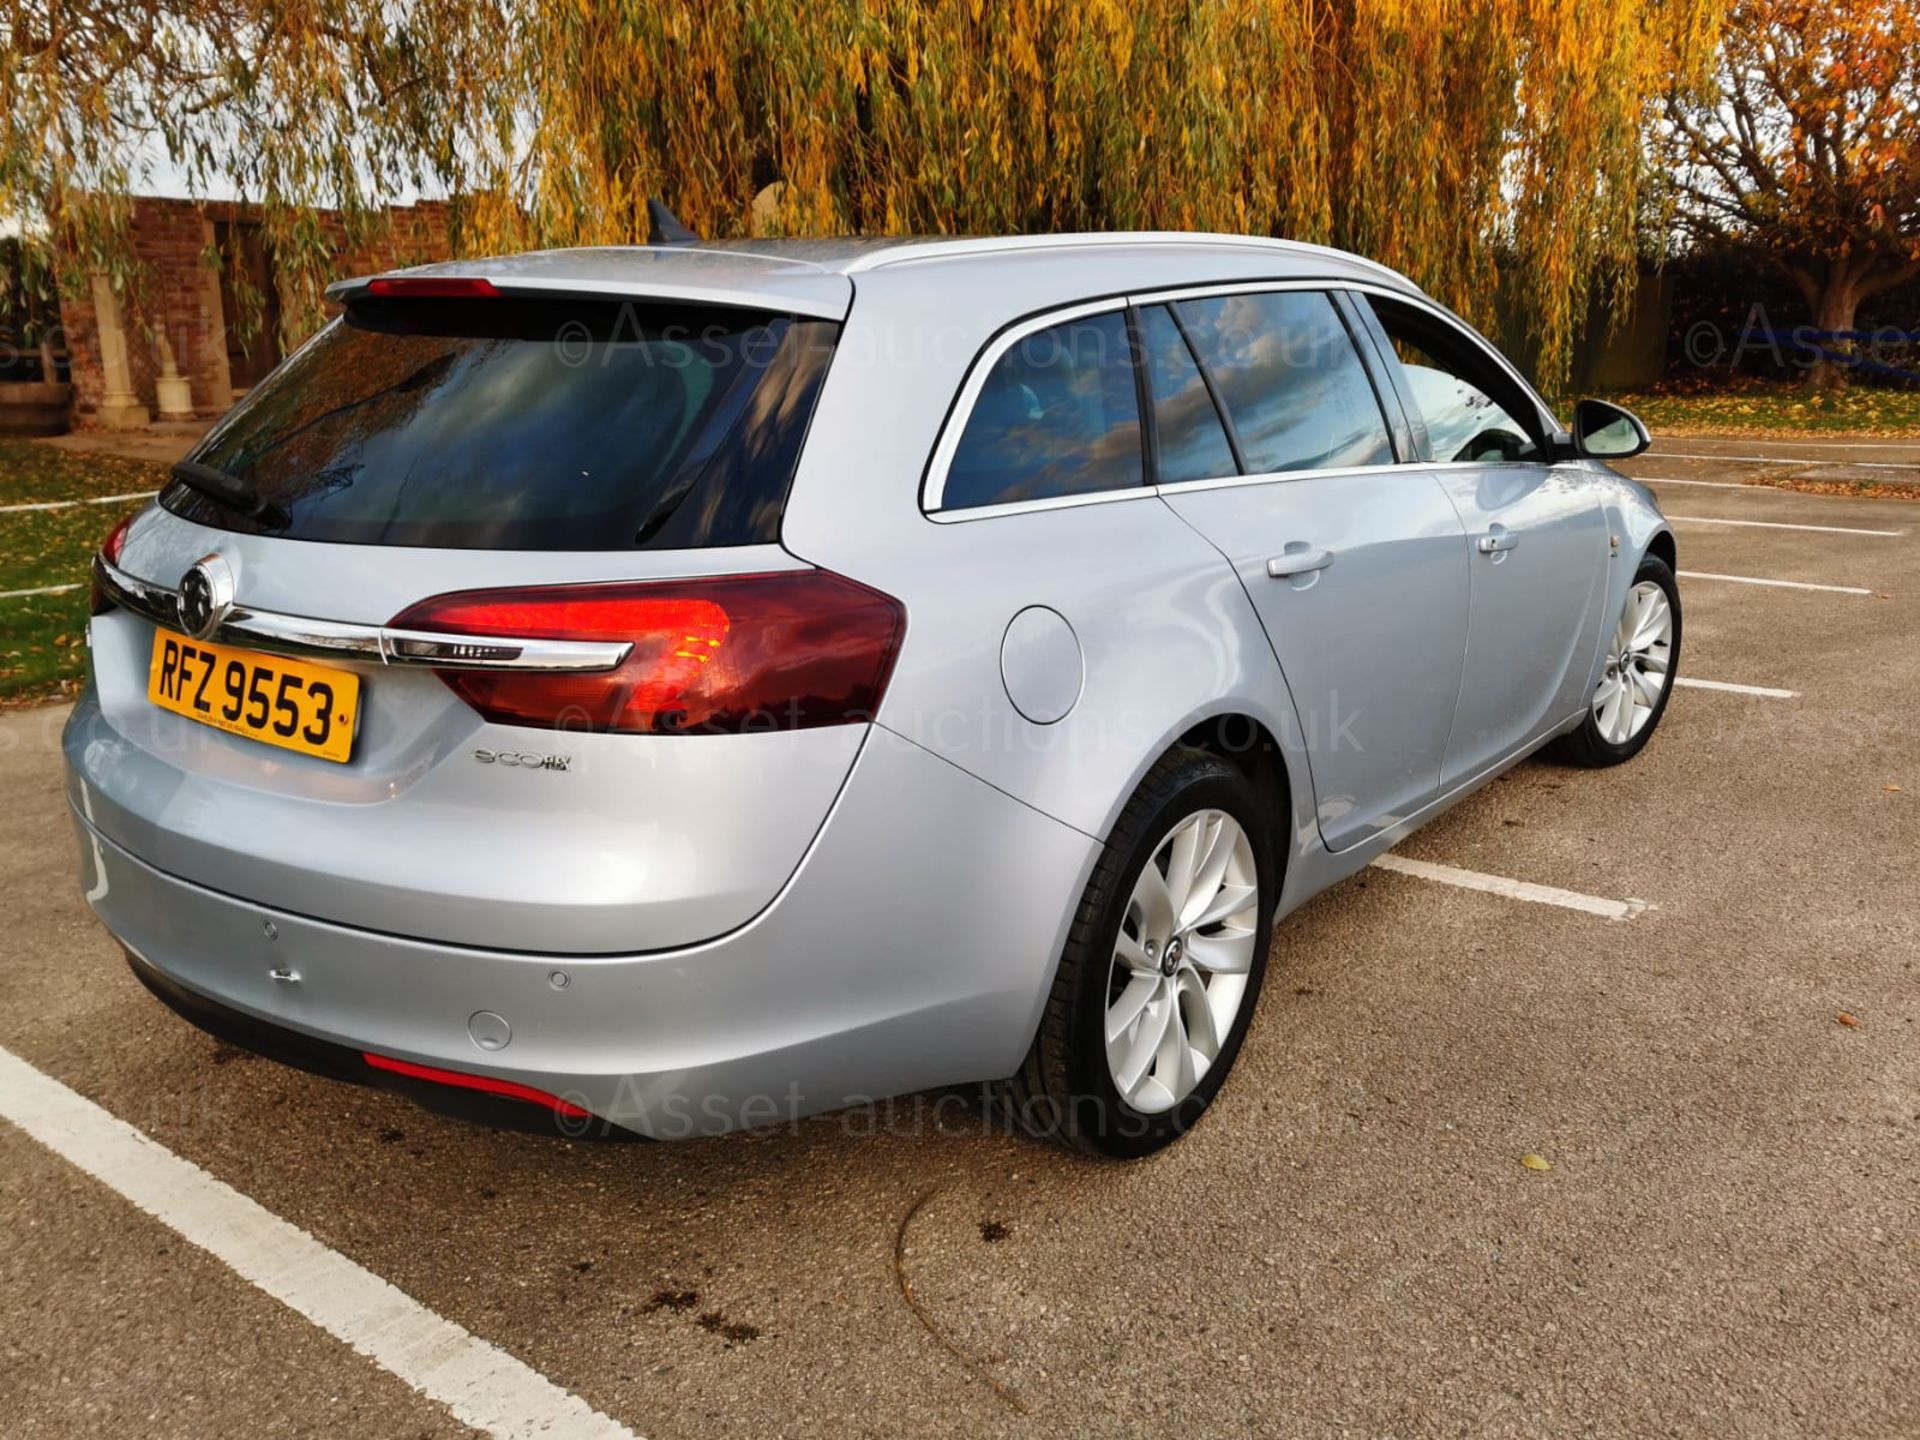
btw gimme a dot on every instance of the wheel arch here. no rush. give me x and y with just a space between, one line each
1248 743
1661 543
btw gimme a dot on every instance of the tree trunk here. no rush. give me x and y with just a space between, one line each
1839 297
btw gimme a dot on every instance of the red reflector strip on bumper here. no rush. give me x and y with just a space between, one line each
506 1088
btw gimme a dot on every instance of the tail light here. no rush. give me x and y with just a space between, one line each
110 549
785 651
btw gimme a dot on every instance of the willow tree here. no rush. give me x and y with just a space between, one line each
320 104
1449 139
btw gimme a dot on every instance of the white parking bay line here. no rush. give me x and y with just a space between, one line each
1777 584
1778 525
1710 484
38 590
69 504
1787 460
481 1384
1766 692
1512 889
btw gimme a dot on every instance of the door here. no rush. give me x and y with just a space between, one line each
1356 566
1537 537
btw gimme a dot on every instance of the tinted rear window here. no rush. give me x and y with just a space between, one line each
527 425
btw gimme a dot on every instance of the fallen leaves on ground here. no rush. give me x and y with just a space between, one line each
1850 1021
1536 1162
1744 406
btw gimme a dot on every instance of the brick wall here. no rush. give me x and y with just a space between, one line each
172 242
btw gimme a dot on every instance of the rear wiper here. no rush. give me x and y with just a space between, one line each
230 490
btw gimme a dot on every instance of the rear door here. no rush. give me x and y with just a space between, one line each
1356 565
1537 535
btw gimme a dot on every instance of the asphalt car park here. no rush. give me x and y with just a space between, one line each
1724 1081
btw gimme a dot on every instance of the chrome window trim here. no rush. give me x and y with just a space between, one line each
1049 502
933 489
1242 287
305 637
1280 477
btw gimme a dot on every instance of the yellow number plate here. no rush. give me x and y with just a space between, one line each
289 703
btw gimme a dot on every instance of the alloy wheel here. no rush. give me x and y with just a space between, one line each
1181 960
1638 660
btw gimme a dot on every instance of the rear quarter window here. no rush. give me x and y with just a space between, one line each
1057 414
526 424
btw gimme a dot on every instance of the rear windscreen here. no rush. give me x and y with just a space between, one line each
524 425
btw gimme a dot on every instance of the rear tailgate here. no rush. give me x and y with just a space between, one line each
560 835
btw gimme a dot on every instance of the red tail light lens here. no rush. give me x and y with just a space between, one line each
116 540
110 549
785 651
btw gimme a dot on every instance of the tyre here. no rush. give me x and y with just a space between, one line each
1643 656
1161 970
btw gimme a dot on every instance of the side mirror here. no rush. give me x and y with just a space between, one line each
1606 432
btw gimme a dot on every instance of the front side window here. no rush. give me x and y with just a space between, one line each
1470 407
1058 414
1290 378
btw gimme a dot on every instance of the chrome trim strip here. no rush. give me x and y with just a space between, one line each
1409 468
1049 502
1209 289
301 635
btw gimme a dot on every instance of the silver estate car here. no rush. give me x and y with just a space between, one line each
657 690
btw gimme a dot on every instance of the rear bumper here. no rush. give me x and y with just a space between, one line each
912 948
332 1061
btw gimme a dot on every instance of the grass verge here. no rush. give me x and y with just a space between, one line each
43 649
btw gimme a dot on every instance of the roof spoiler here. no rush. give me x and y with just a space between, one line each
664 227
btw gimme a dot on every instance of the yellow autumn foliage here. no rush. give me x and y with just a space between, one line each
1449 140
1454 141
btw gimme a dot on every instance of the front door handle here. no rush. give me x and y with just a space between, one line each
1497 541
1298 561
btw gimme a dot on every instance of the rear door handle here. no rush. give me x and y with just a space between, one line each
1499 540
1298 562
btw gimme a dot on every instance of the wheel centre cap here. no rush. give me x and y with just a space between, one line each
1170 957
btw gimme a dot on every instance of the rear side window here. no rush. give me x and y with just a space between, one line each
1191 442
1058 414
525 425
1291 380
